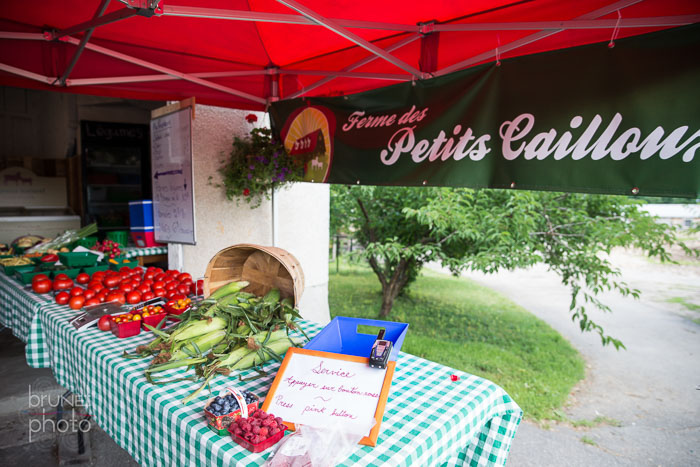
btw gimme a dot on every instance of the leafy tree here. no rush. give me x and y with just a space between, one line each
401 229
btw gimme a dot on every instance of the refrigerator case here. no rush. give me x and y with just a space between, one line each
116 170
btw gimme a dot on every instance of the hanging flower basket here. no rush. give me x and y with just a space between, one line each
257 165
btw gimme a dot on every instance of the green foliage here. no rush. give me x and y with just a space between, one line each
257 165
487 230
463 325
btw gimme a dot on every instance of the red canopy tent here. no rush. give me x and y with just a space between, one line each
246 54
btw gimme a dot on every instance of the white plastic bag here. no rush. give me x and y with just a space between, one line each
315 447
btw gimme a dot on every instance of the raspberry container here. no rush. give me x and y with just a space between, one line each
220 424
128 329
261 446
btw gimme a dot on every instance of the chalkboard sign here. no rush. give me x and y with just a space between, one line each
171 172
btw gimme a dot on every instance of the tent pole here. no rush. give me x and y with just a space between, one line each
533 38
352 37
83 42
169 71
355 65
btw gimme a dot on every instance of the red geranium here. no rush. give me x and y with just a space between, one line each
251 118
246 192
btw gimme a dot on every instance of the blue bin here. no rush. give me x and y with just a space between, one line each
342 336
141 213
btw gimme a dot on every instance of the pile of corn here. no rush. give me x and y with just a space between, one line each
230 330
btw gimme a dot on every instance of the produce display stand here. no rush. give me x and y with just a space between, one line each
470 420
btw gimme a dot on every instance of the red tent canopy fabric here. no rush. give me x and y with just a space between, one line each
245 54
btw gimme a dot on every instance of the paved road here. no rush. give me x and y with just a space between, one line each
652 388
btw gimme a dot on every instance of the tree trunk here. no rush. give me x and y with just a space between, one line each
392 288
389 293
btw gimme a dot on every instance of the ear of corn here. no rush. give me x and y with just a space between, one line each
200 345
197 328
229 288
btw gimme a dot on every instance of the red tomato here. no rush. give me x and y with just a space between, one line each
184 276
147 295
76 302
62 284
103 323
62 298
172 285
75 291
199 288
116 296
169 294
148 282
61 277
88 294
159 292
133 297
159 277
92 301
82 278
42 286
111 281
149 275
126 288
183 289
99 274
95 286
143 288
40 277
101 296
159 285
178 296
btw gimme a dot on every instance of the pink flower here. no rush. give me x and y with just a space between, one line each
251 118
454 377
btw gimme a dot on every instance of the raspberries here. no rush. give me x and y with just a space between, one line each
258 427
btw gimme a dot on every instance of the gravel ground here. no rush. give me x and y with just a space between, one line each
649 393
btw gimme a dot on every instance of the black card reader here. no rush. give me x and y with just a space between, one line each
379 356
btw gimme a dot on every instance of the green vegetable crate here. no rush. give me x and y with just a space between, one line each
25 277
93 269
128 264
11 270
72 273
81 259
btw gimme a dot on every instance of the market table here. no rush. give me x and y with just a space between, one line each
429 419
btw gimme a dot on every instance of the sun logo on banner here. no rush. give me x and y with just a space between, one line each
308 136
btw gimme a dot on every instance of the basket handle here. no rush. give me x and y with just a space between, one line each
241 400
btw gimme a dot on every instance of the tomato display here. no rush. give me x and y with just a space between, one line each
76 302
103 323
92 301
82 278
40 277
116 297
42 286
133 297
62 298
75 291
111 281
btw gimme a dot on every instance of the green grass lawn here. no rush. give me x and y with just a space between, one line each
469 327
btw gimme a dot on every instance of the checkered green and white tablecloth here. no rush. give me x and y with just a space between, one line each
429 419
132 252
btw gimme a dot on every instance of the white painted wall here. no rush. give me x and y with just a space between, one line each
302 212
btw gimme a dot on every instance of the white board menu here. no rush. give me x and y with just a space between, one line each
324 389
171 172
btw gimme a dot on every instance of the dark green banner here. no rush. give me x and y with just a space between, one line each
593 119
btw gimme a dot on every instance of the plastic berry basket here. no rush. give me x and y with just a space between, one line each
122 330
261 446
220 424
153 320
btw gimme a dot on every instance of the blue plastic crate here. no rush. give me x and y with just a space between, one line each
342 336
141 214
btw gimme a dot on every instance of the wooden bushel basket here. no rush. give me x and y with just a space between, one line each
265 267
